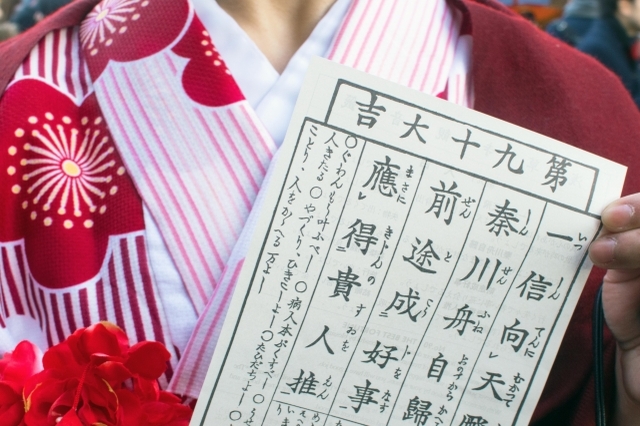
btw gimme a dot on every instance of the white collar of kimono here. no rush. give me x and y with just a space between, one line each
271 95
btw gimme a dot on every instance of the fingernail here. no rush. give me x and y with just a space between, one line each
602 249
618 217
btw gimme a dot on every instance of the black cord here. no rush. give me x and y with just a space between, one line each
598 358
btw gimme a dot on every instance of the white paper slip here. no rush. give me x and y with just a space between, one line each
415 263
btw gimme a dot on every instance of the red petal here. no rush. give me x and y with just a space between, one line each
146 390
22 363
41 399
156 412
100 394
63 403
60 357
169 398
8 394
121 336
97 359
74 345
38 379
12 415
129 409
97 339
8 389
70 419
177 423
90 414
113 372
148 359
159 414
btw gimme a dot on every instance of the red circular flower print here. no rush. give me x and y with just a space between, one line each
128 30
65 189
206 78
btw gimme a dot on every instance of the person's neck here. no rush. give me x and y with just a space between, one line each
278 27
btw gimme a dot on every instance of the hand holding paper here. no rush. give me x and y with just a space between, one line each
618 249
415 262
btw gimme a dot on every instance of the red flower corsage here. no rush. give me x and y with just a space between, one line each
92 378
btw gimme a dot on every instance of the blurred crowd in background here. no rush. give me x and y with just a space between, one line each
608 30
17 16
605 29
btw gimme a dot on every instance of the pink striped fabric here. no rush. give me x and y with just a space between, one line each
414 43
190 376
123 293
411 42
57 60
198 169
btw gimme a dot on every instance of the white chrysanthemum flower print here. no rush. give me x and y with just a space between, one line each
66 170
107 20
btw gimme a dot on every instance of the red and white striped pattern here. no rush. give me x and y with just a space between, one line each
190 375
13 284
198 169
57 61
122 293
412 42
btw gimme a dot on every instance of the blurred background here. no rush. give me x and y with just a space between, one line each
19 15
540 12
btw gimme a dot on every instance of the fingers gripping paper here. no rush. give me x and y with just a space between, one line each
415 263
